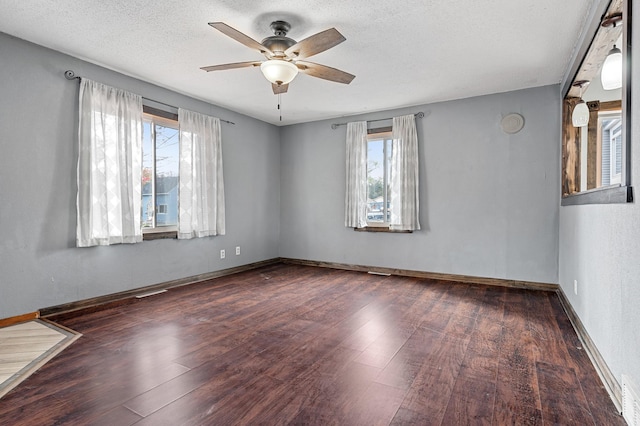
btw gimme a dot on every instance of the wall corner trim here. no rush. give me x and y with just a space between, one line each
606 376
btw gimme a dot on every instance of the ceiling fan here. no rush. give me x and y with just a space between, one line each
285 56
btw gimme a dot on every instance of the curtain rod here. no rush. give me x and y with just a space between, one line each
336 125
70 75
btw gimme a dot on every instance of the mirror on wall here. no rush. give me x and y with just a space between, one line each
594 148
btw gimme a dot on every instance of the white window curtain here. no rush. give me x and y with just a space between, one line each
109 166
404 175
201 192
356 192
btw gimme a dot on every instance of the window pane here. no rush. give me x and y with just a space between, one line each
375 181
616 146
611 149
388 155
147 176
166 189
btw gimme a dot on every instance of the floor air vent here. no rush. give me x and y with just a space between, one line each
630 403
153 293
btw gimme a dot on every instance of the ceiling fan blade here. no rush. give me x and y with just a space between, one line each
325 72
315 44
231 66
240 37
279 89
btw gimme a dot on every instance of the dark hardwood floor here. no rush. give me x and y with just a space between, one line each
289 344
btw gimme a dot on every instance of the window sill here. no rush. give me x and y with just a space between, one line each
381 229
159 235
607 195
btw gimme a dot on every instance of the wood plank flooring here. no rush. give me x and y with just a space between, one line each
289 344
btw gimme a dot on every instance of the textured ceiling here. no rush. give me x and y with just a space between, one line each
403 53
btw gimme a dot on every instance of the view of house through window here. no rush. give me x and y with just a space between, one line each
378 178
160 173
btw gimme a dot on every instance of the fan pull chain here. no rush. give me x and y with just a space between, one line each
279 101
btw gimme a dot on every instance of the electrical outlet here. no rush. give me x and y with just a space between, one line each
238 251
575 286
222 254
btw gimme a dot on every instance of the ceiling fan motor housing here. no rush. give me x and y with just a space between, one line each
279 42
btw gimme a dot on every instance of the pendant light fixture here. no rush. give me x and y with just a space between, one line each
580 115
611 72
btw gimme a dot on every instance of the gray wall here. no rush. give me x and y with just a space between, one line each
39 264
488 200
600 248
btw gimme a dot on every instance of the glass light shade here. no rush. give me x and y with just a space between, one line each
278 71
611 74
580 116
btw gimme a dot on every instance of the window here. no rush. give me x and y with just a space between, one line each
610 134
160 174
595 150
382 183
379 150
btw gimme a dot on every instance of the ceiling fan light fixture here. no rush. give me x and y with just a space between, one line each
278 71
611 74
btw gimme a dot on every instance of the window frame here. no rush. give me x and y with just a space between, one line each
616 193
162 209
166 119
373 226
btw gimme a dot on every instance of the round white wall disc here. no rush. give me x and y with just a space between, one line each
512 123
